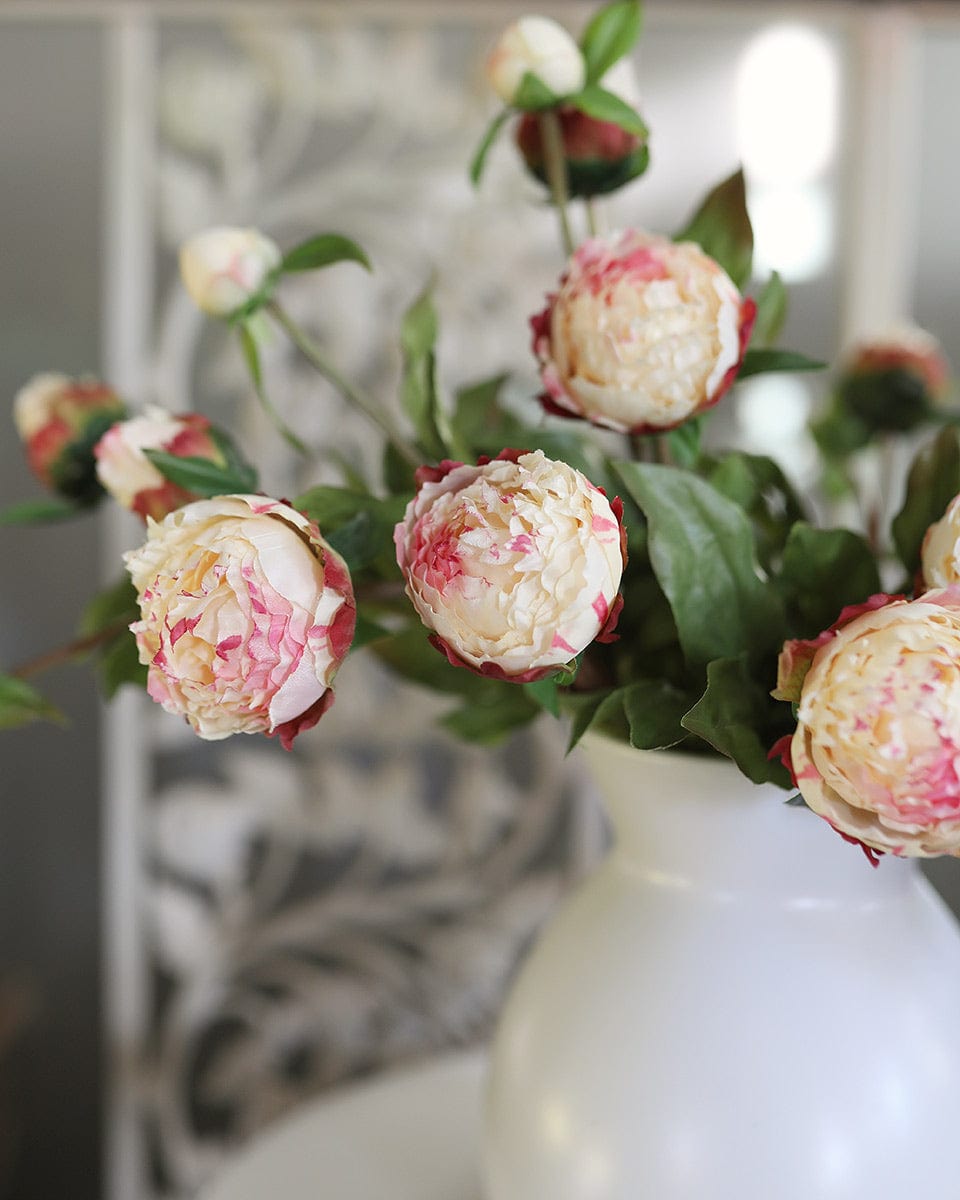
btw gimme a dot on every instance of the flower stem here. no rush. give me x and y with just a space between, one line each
592 223
551 135
62 654
317 359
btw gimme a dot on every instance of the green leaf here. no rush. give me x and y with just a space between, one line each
43 509
120 664
933 481
839 433
477 410
111 606
758 485
411 656
331 506
771 311
20 703
823 570
592 707
488 724
544 694
533 94
702 550
201 476
602 105
251 355
479 160
367 630
684 443
654 709
322 251
610 34
761 361
418 335
721 227
729 714
366 539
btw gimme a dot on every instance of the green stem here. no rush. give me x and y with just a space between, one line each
551 135
317 359
592 223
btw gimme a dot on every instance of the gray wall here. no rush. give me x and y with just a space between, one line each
50 146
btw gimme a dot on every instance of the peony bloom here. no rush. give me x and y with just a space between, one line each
877 746
514 564
894 381
600 156
224 268
940 555
542 47
128 475
643 333
246 614
59 420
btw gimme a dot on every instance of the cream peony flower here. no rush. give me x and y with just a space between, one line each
128 475
542 47
222 268
940 556
877 746
246 614
514 565
643 333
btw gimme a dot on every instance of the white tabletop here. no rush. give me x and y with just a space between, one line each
412 1134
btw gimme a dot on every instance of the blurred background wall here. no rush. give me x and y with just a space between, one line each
249 927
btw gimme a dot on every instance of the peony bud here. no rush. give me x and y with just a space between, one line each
600 156
542 47
246 614
224 268
60 420
131 478
643 333
514 564
876 748
895 381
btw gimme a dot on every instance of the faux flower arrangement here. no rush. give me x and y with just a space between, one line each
666 594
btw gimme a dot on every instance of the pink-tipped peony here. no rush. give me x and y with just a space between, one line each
224 268
246 614
940 555
643 333
59 420
600 156
877 746
128 475
514 564
542 47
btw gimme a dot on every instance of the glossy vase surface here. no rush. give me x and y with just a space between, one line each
735 1006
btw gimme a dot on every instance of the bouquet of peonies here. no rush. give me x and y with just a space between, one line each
670 593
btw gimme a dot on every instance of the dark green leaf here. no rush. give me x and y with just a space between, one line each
418 335
759 362
823 570
488 724
592 707
533 94
684 443
411 656
322 251
331 507
721 227
933 481
761 489
702 550
611 33
398 474
120 664
251 355
544 693
654 709
479 160
602 105
43 509
366 541
728 716
113 605
771 311
201 476
234 461
20 703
